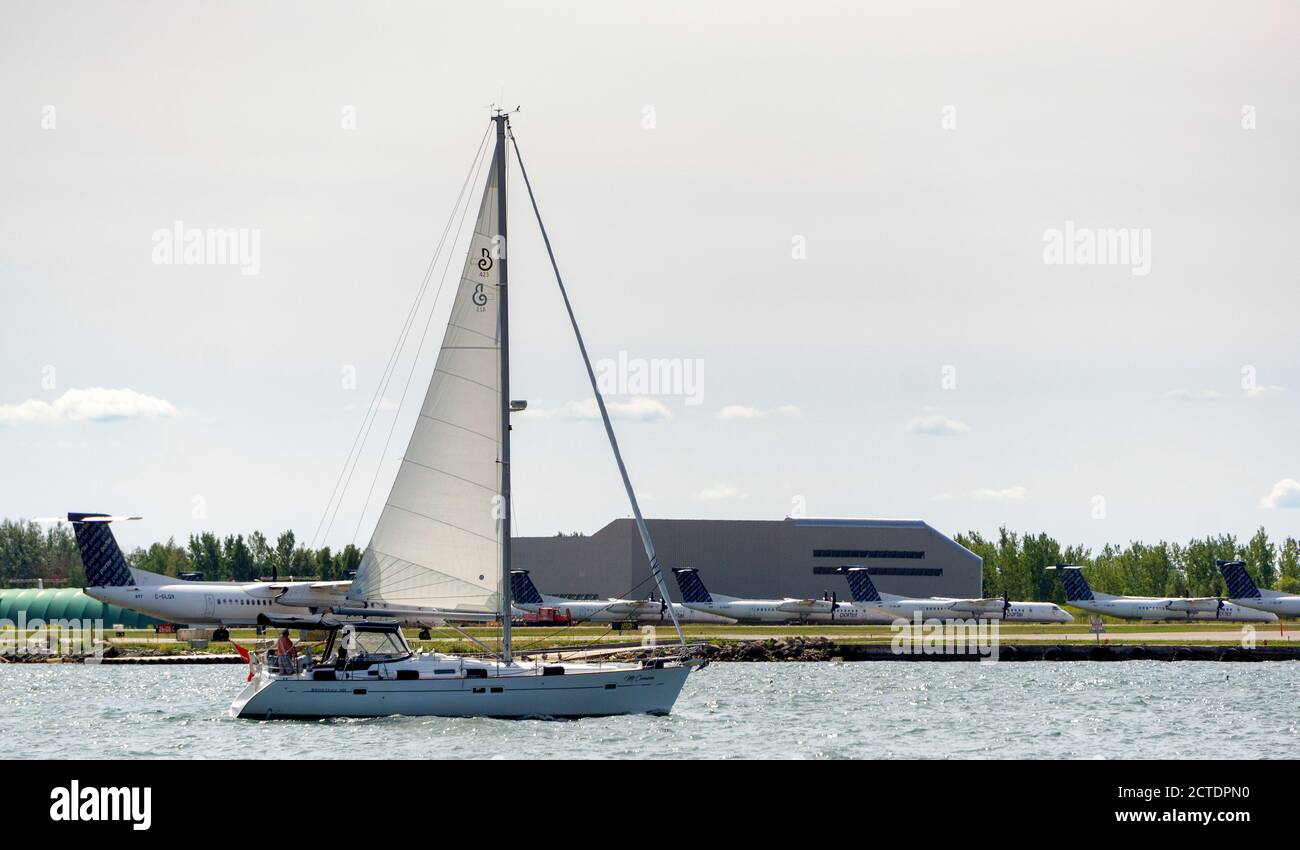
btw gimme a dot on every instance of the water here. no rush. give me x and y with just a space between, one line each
864 711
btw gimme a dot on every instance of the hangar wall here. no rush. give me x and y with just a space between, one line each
755 558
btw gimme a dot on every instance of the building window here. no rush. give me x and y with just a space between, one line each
867 553
931 572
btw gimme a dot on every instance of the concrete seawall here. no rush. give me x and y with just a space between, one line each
826 650
821 649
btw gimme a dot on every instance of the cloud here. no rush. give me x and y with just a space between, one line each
1192 395
941 497
733 412
95 404
1006 494
636 409
937 425
1285 494
1263 392
717 493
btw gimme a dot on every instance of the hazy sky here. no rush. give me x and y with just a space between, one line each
840 210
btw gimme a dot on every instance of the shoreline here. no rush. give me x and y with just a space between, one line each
815 650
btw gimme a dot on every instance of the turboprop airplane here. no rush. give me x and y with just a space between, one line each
110 579
1242 591
684 614
222 603
1080 595
526 597
696 595
864 593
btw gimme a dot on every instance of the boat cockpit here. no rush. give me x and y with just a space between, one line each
358 646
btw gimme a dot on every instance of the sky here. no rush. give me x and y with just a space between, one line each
980 264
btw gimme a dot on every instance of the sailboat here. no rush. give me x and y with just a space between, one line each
441 548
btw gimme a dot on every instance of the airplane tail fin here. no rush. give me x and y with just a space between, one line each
105 564
692 588
1076 586
1240 584
861 586
522 589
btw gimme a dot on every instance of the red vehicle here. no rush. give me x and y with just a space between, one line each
547 617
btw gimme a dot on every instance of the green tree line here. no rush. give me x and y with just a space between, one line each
29 552
1017 564
1014 563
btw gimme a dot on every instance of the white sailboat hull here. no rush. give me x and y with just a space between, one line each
583 690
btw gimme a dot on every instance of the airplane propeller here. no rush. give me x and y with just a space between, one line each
831 597
1006 604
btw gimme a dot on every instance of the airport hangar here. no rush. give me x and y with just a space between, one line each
754 559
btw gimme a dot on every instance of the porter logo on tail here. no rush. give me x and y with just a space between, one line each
93 803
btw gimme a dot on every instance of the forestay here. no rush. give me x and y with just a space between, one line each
438 540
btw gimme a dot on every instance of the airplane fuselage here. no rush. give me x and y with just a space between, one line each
215 603
944 608
784 611
1155 608
1037 612
596 610
1282 605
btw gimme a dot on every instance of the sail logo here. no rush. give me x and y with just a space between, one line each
95 803
179 245
679 377
486 261
1106 246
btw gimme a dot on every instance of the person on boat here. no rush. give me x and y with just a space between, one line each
286 651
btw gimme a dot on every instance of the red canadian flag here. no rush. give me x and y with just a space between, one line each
243 653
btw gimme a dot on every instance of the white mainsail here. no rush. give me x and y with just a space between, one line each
438 542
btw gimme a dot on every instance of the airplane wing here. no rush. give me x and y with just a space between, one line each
804 606
274 589
627 607
1197 603
337 588
977 606
266 590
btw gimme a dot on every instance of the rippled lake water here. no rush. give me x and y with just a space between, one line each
864 711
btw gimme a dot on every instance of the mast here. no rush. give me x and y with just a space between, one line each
500 118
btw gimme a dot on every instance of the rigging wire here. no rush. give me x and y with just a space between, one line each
562 629
358 442
600 400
